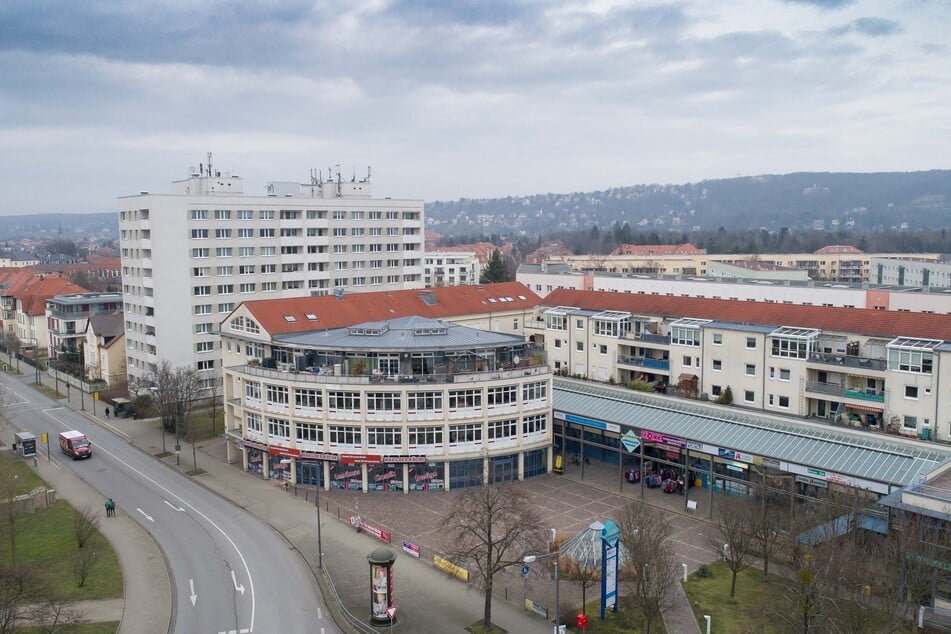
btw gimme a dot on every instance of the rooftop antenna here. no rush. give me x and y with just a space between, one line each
210 172
353 179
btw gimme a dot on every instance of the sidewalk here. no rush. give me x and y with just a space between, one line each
428 599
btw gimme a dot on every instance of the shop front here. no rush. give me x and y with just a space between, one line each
255 453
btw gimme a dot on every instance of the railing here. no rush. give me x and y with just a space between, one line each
865 395
646 337
646 362
864 363
367 379
831 389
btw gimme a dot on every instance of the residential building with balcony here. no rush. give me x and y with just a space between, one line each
451 268
408 403
189 257
104 349
879 370
68 315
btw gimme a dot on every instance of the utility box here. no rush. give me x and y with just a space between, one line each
26 444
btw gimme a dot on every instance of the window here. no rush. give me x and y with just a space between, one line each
245 252
465 399
423 401
225 270
784 402
717 365
338 400
278 428
252 391
309 432
716 390
225 289
749 396
501 395
245 233
750 369
557 343
687 361
392 215
222 233
266 214
910 361
535 424
205 346
308 399
340 232
384 401
246 269
203 328
345 435
579 346
245 214
718 338
199 214
200 271
603 349
201 290
226 307
534 391
339 215
268 286
789 348
222 214
248 287
253 422
499 429
276 395
911 391
205 365
268 251
266 232
783 374
200 253
392 436
268 268
223 252
468 433
684 336
203 309
416 436
751 342
374 215
910 422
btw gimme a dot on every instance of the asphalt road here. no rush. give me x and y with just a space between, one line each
230 572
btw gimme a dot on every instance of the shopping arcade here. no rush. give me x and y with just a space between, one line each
597 416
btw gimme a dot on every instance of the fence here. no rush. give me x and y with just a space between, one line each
78 383
28 503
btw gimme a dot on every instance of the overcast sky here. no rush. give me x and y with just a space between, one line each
448 99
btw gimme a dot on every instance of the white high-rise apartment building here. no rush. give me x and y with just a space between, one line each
191 256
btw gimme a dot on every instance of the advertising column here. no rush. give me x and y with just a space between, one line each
381 584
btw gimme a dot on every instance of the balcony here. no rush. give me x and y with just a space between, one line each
841 391
317 375
645 362
849 361
868 394
648 338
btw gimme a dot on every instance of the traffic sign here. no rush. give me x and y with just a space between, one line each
525 570
391 612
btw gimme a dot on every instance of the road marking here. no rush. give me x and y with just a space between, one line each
192 596
320 614
234 580
176 508
187 505
144 514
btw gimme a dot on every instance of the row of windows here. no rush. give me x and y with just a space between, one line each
429 435
294 214
393 401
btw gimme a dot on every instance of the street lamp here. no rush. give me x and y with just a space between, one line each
557 553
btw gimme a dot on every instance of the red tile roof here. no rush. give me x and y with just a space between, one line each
436 303
839 248
33 296
879 323
658 249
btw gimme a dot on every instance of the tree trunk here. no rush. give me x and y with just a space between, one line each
733 586
487 614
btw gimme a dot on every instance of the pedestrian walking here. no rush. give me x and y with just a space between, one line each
110 508
107 412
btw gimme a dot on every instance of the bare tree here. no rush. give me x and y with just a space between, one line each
84 560
174 392
12 344
54 612
17 586
215 391
9 490
766 523
649 574
85 525
494 526
730 538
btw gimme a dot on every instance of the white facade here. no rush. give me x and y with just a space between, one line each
190 256
451 268
911 272
544 279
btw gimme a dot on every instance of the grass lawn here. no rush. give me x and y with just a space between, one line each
477 628
200 427
711 596
23 479
110 627
626 621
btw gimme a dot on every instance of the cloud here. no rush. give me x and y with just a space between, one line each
823 4
876 26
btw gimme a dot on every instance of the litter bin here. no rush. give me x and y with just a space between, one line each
926 433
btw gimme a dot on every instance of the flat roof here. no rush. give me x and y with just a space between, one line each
858 454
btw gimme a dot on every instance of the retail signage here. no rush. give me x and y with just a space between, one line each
250 444
286 452
729 454
357 522
410 548
819 474
359 458
588 422
403 459
537 608
693 444
822 484
630 441
673 441
447 566
311 455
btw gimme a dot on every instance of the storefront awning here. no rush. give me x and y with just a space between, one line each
687 377
865 408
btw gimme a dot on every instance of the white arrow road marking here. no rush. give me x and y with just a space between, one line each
146 515
192 596
175 508
234 580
